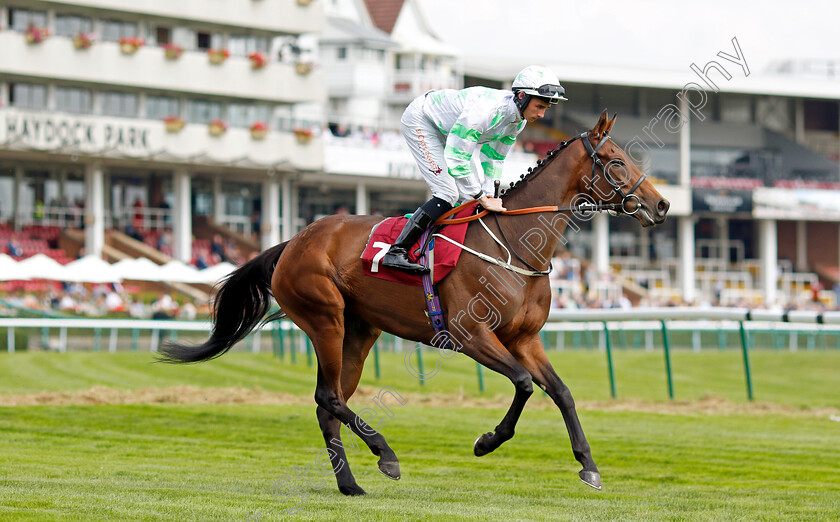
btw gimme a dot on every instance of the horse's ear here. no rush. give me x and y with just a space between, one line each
608 127
602 121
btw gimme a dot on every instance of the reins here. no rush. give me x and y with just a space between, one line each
532 210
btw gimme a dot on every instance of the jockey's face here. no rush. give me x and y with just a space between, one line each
535 110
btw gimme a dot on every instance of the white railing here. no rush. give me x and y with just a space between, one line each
141 218
64 217
238 224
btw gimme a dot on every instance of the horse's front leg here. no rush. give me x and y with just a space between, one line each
487 350
530 353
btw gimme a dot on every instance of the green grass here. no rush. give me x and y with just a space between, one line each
219 462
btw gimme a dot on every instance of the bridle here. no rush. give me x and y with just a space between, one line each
618 208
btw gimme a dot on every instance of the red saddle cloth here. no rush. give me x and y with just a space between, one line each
384 234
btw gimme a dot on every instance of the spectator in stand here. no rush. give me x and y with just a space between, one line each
256 224
217 248
79 203
167 216
133 233
340 130
232 253
138 214
164 242
201 262
14 248
38 213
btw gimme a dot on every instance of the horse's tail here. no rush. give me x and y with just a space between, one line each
242 300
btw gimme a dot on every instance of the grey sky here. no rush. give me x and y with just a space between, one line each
652 34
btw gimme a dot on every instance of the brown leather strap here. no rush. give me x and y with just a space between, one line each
443 221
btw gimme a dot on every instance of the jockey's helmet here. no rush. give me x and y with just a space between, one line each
537 81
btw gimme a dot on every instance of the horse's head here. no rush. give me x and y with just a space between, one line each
614 181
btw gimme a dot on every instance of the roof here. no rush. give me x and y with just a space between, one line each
384 13
755 83
342 30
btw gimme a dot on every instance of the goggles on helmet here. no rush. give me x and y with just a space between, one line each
554 92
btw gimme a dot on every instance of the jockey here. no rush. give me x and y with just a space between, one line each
445 128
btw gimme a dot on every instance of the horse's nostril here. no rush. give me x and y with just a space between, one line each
662 207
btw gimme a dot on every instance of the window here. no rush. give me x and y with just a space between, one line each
113 30
28 95
244 115
119 104
73 99
163 35
70 25
160 107
240 45
201 111
22 19
735 108
203 40
341 53
821 115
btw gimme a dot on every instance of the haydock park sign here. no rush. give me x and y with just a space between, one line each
50 131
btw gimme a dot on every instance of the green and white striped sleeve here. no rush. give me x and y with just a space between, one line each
461 143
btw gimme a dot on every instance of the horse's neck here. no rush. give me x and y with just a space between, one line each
555 185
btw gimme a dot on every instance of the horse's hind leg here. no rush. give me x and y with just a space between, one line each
323 322
531 354
358 339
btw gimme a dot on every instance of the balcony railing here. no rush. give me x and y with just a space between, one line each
269 15
104 63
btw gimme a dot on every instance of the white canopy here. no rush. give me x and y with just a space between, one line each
213 274
41 266
90 269
178 272
140 269
10 269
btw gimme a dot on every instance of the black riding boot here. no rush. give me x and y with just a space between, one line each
397 256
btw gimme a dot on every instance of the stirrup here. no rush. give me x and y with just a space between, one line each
400 261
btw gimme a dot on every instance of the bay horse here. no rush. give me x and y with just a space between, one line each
317 279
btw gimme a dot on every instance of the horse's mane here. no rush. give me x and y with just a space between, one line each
541 163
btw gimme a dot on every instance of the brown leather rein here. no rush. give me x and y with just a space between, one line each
532 210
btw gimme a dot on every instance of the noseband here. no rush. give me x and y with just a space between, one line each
620 208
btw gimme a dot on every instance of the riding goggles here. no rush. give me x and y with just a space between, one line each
554 92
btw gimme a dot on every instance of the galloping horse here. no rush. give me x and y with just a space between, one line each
317 279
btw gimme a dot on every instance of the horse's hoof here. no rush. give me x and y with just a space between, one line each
478 451
352 490
590 478
390 469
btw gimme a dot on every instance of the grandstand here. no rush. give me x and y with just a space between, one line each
120 148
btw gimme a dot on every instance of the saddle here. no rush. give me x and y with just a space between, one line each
445 256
